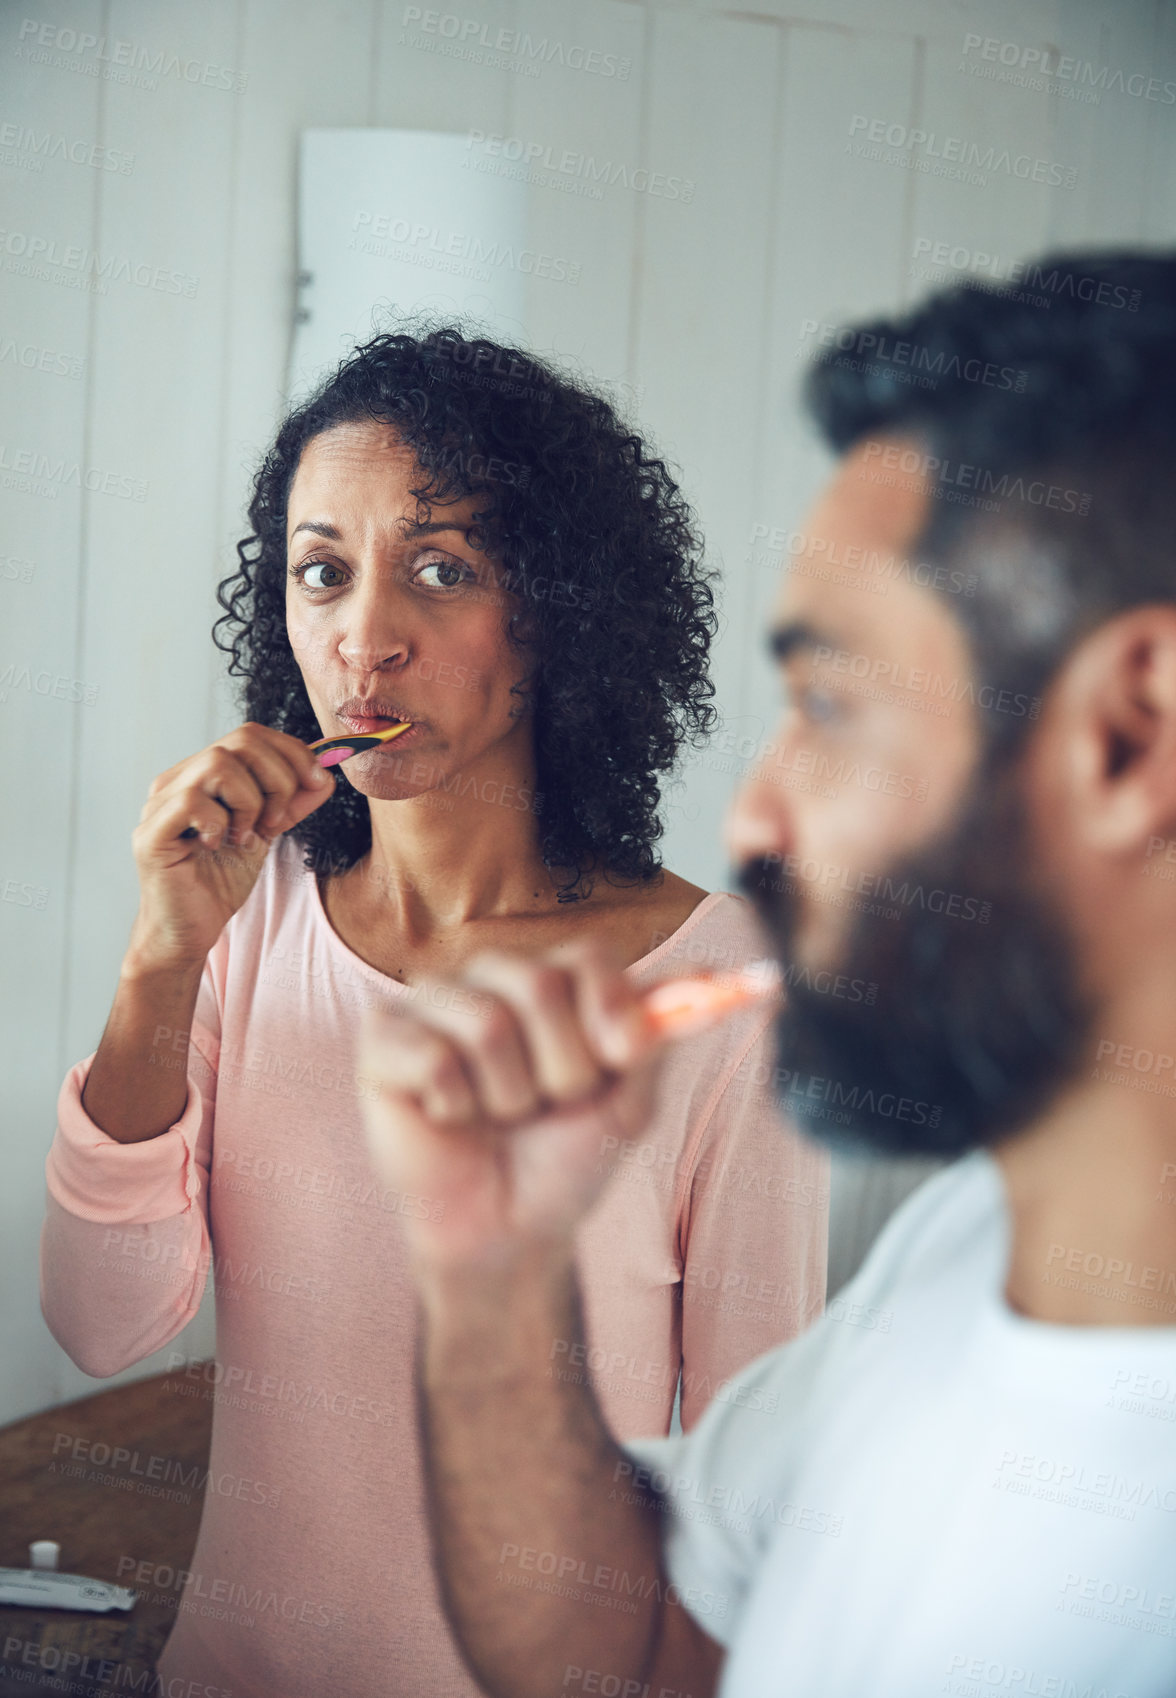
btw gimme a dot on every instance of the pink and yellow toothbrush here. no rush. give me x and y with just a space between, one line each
331 750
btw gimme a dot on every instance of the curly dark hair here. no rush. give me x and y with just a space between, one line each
592 534
1047 408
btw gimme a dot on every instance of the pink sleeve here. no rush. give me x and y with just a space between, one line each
125 1248
755 1231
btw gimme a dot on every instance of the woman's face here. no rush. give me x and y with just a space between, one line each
389 619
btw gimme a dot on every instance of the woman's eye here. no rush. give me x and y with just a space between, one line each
449 573
308 568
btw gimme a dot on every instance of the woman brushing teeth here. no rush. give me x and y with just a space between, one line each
501 564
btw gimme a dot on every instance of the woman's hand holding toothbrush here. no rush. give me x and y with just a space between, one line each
204 833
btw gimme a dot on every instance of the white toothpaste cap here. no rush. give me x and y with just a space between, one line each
43 1553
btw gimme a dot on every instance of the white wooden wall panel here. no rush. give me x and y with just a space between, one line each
310 63
696 311
155 376
418 89
585 325
1113 143
828 214
156 372
946 20
41 544
704 304
1155 167
1004 213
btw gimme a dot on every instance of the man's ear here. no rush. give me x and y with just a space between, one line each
1118 694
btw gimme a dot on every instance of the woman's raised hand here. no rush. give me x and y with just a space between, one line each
235 797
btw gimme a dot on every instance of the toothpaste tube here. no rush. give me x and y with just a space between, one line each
41 1588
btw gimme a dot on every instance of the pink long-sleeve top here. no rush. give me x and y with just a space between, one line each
312 1571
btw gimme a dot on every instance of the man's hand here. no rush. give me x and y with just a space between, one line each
496 1111
495 1106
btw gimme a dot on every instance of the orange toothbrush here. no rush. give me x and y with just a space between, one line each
681 1006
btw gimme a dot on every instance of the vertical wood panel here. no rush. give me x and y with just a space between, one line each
43 415
829 212
311 64
1158 212
155 372
570 110
1114 141
1002 213
418 86
944 20
703 319
155 364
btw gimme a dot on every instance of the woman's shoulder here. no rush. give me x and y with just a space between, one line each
710 932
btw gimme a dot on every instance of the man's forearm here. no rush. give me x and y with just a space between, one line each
550 1560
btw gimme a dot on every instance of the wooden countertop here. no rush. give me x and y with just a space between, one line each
117 1480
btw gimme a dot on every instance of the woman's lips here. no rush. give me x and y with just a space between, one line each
365 724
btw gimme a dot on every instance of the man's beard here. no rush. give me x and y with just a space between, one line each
979 1017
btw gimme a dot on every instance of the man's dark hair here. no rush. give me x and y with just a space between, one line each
1046 415
595 538
1042 417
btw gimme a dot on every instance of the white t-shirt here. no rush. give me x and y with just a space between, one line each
929 1494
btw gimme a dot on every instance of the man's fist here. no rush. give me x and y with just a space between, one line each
496 1113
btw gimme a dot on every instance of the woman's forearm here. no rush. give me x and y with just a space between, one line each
551 1561
138 1082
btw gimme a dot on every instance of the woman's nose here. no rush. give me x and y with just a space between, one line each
374 634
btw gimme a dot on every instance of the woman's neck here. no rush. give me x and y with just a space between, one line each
444 859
